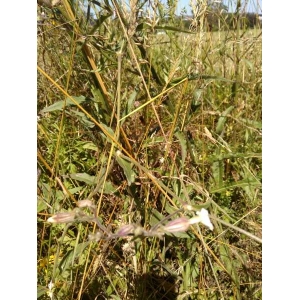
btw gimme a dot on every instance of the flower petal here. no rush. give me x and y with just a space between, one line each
202 217
205 220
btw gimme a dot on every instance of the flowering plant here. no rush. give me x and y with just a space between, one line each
178 225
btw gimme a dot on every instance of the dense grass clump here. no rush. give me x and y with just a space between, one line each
144 127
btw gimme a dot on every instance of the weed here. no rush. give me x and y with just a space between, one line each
142 139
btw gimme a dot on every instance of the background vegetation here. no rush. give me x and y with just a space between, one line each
181 100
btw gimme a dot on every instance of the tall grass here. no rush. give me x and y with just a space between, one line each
144 126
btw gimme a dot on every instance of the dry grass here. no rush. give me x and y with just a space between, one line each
185 111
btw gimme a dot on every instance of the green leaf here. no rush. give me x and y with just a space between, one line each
170 209
241 183
130 102
41 205
83 118
72 255
226 257
196 102
109 130
75 190
59 105
90 146
142 26
193 76
218 172
98 97
253 123
196 76
182 235
182 142
84 177
222 156
127 168
170 28
109 188
155 217
222 119
41 290
100 20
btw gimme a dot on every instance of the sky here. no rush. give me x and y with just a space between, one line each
251 5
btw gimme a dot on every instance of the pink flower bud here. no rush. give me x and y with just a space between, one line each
177 225
66 217
125 230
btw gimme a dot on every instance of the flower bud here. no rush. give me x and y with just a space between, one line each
177 225
125 230
67 217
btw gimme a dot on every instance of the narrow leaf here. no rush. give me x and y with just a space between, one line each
241 183
83 118
222 119
130 101
90 146
41 290
182 142
84 177
59 105
127 168
71 255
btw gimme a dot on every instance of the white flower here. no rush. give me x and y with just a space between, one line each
51 289
202 217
